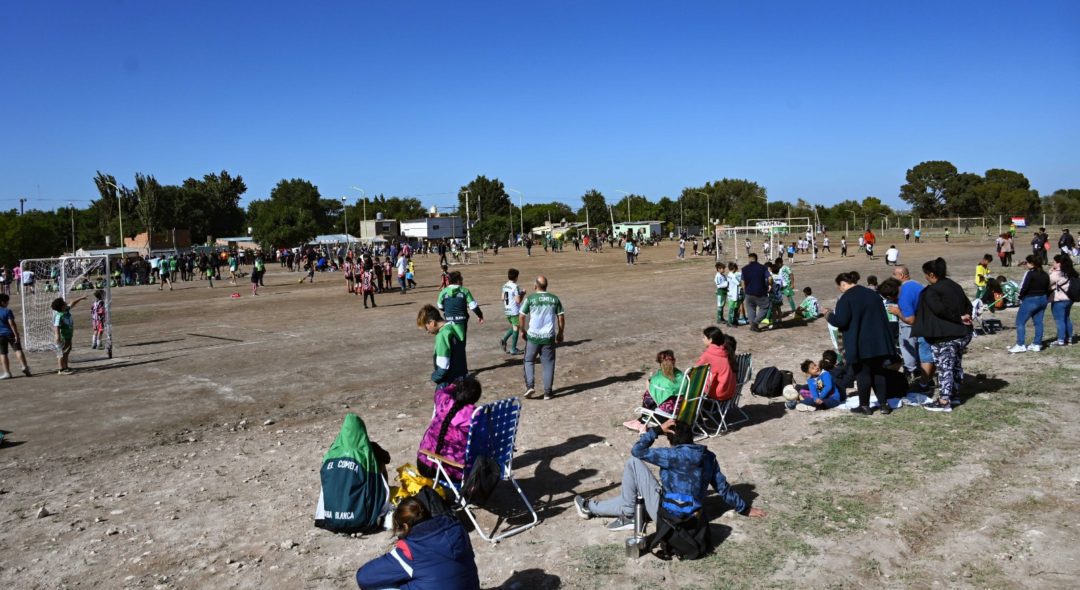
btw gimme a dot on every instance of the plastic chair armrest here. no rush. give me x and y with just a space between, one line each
441 459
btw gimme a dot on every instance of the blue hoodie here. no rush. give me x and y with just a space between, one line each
436 555
685 473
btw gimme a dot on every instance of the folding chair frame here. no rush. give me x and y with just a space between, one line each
507 444
687 402
714 413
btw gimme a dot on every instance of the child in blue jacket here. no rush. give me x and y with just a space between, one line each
821 392
431 553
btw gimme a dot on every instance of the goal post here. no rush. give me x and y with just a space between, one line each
66 277
774 231
956 225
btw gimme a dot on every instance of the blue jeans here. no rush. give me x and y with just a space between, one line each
1062 311
1032 308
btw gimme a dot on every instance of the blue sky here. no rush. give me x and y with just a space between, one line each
818 100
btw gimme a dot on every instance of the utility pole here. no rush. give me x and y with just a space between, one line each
71 206
22 201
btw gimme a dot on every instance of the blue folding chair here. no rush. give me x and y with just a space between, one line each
492 432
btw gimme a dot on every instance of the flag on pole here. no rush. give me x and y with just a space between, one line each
1019 221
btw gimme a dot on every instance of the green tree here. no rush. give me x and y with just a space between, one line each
594 209
486 197
539 214
731 200
1063 206
147 200
962 195
1005 192
291 216
210 207
926 187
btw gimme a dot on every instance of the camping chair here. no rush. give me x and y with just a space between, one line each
714 413
687 400
491 434
983 326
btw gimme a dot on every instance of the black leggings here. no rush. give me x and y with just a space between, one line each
870 374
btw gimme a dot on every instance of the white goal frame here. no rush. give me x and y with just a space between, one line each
65 274
763 227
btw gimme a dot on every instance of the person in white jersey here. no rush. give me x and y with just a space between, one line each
512 297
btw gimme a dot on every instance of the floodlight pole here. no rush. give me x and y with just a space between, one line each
468 233
363 196
71 207
120 215
345 210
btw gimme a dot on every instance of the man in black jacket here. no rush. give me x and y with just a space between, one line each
868 345
756 280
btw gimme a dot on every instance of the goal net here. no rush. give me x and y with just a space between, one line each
955 225
68 277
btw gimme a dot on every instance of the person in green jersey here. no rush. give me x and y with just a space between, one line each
455 302
541 321
512 297
64 331
449 358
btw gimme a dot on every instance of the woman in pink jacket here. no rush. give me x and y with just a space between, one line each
720 356
448 432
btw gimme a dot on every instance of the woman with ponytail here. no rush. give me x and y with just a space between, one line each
449 429
719 354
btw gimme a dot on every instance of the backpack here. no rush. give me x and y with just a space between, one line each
685 537
481 480
1073 290
769 382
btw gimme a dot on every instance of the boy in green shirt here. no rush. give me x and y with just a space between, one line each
64 328
449 357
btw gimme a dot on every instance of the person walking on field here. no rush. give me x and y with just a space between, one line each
512 297
541 322
449 358
455 301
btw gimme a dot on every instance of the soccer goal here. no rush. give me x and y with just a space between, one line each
956 226
67 277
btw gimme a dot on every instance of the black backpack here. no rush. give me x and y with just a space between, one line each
481 480
685 537
769 382
1073 290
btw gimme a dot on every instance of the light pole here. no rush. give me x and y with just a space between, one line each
521 210
468 233
120 215
71 207
708 212
364 197
345 210
628 204
852 211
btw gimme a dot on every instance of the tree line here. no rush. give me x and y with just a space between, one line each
295 211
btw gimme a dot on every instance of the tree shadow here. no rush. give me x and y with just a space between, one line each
531 579
580 387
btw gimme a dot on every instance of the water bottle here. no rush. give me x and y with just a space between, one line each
635 545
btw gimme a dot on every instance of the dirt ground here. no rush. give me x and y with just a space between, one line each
190 459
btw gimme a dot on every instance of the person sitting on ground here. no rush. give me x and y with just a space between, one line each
809 309
431 553
686 471
720 357
1010 290
821 392
663 389
448 432
892 256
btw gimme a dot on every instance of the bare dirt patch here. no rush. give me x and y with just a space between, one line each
158 467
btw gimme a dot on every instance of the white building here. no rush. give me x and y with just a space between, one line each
433 228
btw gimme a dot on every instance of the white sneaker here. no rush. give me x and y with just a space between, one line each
1018 348
5 376
1034 347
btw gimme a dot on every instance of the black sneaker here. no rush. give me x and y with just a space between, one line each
865 411
886 410
548 396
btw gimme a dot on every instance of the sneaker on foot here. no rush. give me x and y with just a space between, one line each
1018 348
530 393
635 425
502 345
805 408
1034 347
1058 343
938 407
582 507
548 396
623 523
66 372
5 376
26 371
865 411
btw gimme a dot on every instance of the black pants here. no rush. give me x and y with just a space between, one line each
371 295
870 374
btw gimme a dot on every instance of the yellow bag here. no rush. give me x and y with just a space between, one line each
411 483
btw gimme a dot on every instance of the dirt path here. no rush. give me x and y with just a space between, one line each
158 470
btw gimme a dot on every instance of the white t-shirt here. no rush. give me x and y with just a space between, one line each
28 277
892 254
510 294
